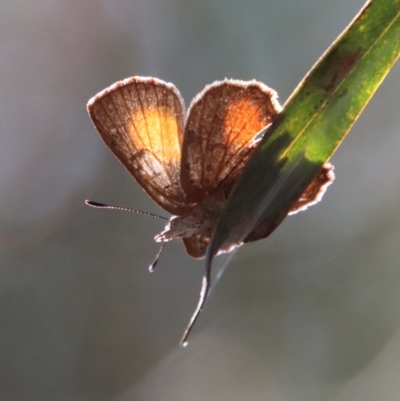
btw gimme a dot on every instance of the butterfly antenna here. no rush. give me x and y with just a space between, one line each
98 205
154 264
205 289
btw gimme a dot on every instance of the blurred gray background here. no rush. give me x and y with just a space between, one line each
312 313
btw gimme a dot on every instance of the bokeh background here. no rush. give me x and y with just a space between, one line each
312 313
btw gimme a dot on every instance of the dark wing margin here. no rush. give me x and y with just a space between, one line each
222 123
141 120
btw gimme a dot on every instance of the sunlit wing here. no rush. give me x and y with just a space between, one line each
315 191
141 121
312 195
222 123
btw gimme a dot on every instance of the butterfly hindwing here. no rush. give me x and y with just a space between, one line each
312 195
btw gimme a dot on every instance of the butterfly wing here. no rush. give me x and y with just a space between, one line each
222 123
312 195
196 246
315 190
141 121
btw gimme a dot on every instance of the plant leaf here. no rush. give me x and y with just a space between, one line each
313 123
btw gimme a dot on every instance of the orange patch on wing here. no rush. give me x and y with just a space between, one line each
156 131
243 117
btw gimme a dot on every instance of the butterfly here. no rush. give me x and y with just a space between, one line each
188 163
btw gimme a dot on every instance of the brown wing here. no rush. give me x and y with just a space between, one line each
312 195
196 246
222 123
141 121
315 191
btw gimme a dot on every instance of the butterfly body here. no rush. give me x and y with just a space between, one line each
197 227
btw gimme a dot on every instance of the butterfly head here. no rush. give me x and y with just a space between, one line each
199 222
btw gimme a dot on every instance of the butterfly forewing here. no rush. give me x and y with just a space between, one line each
141 121
222 123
